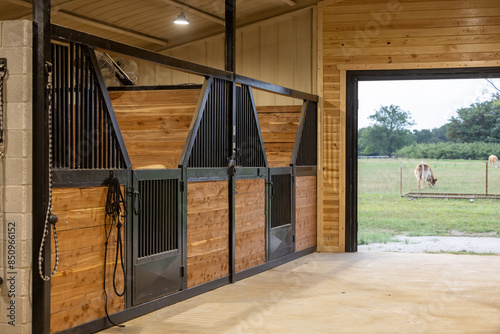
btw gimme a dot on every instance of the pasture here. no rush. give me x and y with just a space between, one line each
383 213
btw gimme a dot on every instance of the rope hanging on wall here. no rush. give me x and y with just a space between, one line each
50 218
114 217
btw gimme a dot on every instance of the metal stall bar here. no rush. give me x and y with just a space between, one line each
305 147
249 143
110 112
84 128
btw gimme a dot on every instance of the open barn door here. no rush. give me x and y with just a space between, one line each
156 234
282 225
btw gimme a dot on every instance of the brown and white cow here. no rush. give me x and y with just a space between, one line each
423 173
493 160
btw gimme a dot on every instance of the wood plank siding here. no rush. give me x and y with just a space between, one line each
278 125
250 224
305 212
387 34
207 232
155 124
77 294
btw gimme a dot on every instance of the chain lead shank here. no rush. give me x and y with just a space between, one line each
50 218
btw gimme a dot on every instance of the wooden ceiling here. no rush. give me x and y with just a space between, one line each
149 24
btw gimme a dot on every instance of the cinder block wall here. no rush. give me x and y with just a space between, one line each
16 179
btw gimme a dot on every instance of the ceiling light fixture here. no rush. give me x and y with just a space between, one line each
181 19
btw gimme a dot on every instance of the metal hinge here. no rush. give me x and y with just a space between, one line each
293 238
183 271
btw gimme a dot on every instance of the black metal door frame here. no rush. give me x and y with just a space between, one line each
162 273
352 80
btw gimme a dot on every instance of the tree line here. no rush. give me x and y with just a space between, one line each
474 133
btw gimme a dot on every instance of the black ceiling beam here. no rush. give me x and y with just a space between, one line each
65 34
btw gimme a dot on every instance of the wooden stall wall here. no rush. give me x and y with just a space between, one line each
207 232
250 223
155 124
278 125
281 51
388 34
305 212
77 294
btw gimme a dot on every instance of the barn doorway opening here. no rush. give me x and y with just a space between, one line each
401 99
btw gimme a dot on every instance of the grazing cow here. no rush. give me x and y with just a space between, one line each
493 160
423 173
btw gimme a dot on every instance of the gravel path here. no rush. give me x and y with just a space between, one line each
436 244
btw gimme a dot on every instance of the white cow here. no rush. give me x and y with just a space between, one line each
423 173
493 160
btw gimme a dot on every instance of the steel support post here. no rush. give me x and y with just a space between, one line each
41 54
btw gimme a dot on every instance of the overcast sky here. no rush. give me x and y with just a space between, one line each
431 102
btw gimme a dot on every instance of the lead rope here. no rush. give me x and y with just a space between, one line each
3 73
50 218
113 211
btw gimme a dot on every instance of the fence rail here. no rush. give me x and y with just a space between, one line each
374 157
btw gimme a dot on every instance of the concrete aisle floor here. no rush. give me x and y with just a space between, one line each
345 293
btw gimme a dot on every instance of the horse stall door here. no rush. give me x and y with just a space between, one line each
281 227
156 234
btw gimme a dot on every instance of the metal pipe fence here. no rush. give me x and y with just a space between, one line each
464 179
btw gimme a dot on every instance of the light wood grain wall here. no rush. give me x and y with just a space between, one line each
155 124
305 212
250 224
207 232
278 125
387 34
280 51
77 294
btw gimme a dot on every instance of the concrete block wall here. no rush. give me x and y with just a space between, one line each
16 179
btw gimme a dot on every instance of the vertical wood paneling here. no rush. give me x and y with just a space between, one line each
269 52
178 77
289 38
197 53
250 59
207 232
286 57
305 216
77 287
215 52
381 34
250 224
304 66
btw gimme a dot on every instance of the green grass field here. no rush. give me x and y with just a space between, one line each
383 213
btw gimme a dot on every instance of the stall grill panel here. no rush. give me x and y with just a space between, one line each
211 145
307 151
158 217
83 135
248 137
156 234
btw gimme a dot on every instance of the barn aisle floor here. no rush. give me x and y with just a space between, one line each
365 292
